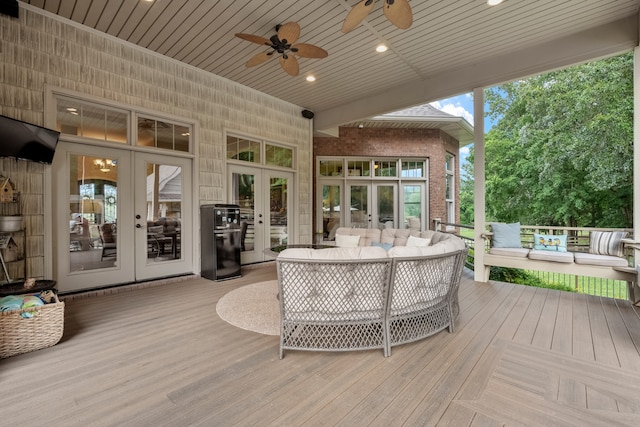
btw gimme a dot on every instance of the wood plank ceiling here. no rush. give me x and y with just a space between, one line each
445 38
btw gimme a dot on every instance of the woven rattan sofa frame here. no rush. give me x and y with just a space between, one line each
332 328
397 326
411 316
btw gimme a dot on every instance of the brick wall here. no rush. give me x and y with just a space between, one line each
389 142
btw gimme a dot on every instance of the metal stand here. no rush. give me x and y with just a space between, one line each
4 267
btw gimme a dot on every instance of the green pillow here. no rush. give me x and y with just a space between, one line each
506 235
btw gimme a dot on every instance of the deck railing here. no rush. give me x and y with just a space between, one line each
577 241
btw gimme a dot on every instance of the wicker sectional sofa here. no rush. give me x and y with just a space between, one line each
368 297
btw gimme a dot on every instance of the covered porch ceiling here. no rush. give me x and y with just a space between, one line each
451 48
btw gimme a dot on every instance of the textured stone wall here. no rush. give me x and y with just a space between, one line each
28 179
389 142
39 50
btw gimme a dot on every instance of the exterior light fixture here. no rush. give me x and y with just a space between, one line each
311 78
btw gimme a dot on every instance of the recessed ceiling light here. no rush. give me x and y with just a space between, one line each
494 2
71 109
311 79
381 48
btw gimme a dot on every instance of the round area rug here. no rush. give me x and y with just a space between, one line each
252 307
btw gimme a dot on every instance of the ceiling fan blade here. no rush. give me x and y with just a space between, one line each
289 32
398 12
253 38
357 14
259 59
309 51
290 65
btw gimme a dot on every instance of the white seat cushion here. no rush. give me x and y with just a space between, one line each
512 252
367 235
605 260
369 252
551 256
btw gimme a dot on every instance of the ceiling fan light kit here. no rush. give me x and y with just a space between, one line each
398 12
282 43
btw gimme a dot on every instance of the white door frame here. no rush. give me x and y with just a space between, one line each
183 264
131 247
261 230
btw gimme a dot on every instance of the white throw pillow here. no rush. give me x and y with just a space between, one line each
345 241
414 241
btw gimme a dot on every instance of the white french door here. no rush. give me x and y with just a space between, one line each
371 205
163 216
265 209
106 201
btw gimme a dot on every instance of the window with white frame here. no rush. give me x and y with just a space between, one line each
450 188
259 151
400 188
112 124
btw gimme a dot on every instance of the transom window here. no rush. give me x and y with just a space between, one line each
258 151
163 134
382 168
92 120
413 169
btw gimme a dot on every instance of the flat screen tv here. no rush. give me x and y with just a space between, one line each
23 140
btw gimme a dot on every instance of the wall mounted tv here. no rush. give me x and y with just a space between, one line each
26 141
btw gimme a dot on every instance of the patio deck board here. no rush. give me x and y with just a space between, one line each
161 356
582 338
603 346
562 340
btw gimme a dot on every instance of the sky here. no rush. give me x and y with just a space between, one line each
461 106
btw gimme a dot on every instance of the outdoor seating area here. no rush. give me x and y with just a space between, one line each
364 297
210 186
602 253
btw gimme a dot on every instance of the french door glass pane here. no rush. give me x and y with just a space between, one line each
93 206
359 206
278 211
164 212
244 196
385 204
412 204
330 211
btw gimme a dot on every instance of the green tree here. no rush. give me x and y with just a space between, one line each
562 149
466 190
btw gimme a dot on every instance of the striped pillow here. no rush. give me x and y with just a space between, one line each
607 243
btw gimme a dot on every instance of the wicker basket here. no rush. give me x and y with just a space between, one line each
21 335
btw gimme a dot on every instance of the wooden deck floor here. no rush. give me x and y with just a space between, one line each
162 356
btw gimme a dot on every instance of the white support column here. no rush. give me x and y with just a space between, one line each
478 184
636 150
